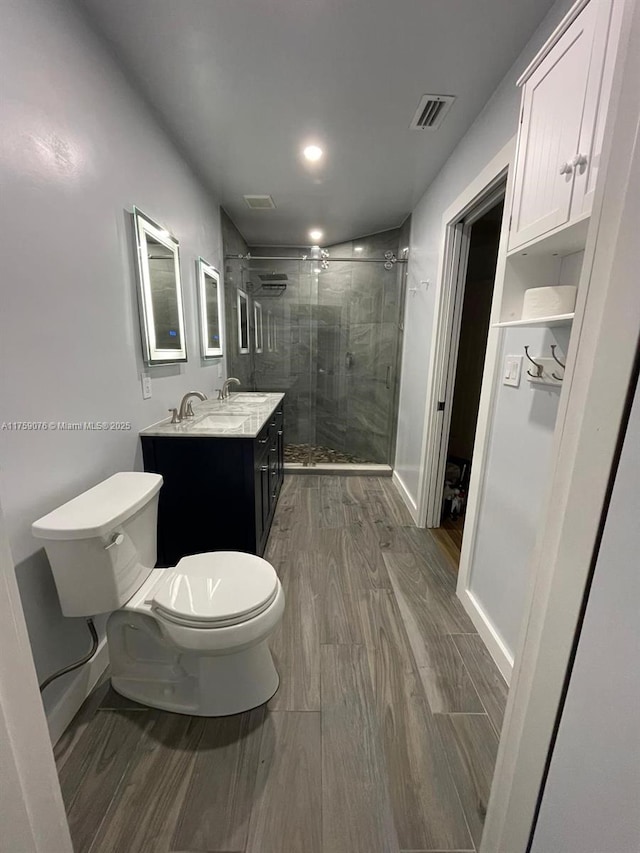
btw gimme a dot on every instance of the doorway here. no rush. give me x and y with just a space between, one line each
480 239
470 257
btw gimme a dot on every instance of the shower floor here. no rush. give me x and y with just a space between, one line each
301 453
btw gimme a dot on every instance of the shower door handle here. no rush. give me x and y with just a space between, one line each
349 360
387 381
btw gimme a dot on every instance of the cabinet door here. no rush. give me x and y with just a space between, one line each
265 493
603 57
553 104
281 454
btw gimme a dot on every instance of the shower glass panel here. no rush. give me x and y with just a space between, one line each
331 341
279 359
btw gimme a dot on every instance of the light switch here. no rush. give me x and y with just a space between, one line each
146 385
512 368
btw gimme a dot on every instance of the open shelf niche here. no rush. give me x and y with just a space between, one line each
527 269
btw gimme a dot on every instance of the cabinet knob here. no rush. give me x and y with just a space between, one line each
579 160
264 468
566 168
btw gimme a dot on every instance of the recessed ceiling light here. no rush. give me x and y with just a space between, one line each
358 248
315 234
313 153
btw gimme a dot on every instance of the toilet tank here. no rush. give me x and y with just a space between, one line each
102 544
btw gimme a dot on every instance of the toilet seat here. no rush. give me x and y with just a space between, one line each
215 590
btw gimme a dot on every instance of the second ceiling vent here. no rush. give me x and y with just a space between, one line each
431 111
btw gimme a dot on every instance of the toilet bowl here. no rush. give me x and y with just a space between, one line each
190 639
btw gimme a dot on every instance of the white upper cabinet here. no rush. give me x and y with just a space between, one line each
564 100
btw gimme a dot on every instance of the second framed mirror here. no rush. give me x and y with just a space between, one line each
210 302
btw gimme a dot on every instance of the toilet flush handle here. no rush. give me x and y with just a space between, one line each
118 539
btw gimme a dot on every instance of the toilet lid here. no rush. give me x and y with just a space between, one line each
216 589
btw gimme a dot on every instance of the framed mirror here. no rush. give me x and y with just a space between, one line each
159 292
243 322
257 323
210 301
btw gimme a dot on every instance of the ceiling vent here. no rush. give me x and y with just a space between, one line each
259 202
431 111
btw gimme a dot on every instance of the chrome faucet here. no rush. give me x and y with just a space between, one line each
186 410
225 386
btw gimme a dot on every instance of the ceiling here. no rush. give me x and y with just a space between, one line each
243 85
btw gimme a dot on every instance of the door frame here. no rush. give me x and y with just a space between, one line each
453 291
452 251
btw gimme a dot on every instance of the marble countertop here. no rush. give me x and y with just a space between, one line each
241 415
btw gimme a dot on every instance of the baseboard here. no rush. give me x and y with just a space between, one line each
69 704
406 496
488 634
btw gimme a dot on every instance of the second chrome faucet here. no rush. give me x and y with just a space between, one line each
223 393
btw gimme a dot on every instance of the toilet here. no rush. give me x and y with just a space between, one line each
190 639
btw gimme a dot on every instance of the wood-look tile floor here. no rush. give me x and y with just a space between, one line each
381 738
449 537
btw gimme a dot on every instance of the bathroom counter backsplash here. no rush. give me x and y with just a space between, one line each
239 416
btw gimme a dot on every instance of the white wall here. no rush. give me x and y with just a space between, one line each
77 149
590 802
517 475
494 127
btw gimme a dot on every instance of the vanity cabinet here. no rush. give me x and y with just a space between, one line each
219 493
564 106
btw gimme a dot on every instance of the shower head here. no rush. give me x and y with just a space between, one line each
272 283
273 278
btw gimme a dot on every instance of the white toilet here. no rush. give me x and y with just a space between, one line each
191 639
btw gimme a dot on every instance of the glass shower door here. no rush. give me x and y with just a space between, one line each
358 340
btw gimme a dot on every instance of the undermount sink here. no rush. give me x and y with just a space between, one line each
222 421
249 398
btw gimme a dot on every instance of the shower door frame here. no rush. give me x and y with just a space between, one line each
309 466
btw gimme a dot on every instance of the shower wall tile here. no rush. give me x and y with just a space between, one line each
365 445
331 350
334 284
239 364
392 295
331 432
364 410
363 347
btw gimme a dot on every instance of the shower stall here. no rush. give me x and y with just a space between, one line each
323 327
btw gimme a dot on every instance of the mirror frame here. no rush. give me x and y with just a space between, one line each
257 324
204 269
240 297
144 226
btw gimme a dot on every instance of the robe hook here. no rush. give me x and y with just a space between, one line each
539 368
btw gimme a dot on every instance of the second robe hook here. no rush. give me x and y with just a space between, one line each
557 360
